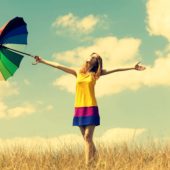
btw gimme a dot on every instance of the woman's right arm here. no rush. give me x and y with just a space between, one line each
56 65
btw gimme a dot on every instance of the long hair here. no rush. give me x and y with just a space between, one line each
96 67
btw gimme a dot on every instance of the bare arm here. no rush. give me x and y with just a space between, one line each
136 67
56 65
105 72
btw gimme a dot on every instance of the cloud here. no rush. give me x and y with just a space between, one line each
73 141
3 108
6 89
7 112
114 51
73 24
117 53
121 135
108 85
62 83
26 109
158 75
158 18
9 89
43 106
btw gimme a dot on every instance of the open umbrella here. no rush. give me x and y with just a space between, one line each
14 32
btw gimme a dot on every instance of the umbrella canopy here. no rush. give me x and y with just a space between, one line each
14 32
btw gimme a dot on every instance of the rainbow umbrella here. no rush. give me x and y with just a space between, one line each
14 32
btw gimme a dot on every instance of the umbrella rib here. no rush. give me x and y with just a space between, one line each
14 32
16 51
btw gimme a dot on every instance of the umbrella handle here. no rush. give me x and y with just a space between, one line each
37 60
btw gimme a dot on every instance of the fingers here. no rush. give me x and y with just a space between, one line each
143 68
37 58
140 68
138 63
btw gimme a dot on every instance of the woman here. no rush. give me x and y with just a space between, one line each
86 114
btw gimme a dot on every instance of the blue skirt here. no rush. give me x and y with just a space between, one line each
86 116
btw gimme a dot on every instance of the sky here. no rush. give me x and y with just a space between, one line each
39 100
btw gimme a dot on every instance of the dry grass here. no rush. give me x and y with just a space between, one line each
116 157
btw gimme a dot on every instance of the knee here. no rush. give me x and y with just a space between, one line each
88 138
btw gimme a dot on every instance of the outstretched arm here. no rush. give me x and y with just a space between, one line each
55 65
136 67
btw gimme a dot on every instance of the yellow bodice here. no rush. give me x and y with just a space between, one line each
85 92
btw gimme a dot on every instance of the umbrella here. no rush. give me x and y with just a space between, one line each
14 32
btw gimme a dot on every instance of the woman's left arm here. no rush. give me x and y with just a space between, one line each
136 67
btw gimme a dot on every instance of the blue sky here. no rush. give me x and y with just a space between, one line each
39 101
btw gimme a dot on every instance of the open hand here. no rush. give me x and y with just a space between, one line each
138 67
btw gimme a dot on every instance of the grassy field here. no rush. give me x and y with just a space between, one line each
44 155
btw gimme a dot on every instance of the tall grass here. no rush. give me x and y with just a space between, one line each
44 155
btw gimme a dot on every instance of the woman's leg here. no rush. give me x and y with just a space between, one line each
90 148
82 129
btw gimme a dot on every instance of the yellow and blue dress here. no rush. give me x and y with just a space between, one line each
86 109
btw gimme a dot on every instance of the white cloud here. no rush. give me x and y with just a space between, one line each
107 85
157 75
43 106
63 84
114 52
56 143
26 109
117 54
73 24
73 141
7 112
158 18
8 89
3 108
119 135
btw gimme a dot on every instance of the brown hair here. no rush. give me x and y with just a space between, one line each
97 66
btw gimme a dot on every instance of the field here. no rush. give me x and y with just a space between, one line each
44 154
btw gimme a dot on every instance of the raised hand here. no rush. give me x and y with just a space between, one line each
138 67
37 60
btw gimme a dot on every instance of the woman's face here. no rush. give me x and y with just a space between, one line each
92 59
92 63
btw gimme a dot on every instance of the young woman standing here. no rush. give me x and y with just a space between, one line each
86 115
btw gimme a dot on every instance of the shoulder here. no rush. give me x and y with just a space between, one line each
77 70
93 74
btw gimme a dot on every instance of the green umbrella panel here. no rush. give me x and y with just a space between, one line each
9 63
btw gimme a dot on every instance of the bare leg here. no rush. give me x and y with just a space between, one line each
90 148
82 129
